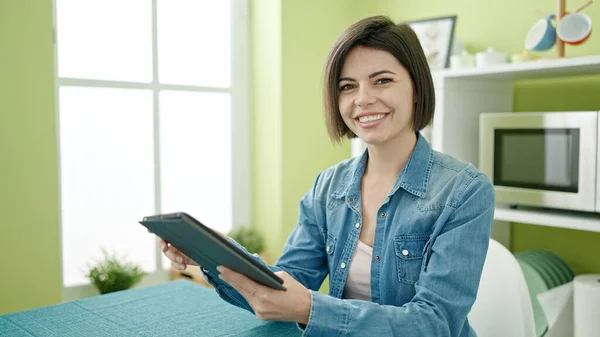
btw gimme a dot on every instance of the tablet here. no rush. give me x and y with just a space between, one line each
208 248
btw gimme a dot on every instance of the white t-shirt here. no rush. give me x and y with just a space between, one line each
358 283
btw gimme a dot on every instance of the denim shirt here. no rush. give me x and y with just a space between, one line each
431 240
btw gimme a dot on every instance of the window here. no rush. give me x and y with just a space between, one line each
152 105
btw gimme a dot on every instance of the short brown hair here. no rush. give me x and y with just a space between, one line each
381 33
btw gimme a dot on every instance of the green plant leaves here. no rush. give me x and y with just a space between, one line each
113 274
248 237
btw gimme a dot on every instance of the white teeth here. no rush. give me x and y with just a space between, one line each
372 118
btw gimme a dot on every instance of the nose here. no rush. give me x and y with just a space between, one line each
364 97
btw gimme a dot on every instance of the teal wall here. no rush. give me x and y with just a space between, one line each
29 225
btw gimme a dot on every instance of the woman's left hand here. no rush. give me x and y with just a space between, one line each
292 305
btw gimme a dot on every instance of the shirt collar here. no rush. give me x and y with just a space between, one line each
413 178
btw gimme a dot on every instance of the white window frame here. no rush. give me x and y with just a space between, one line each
241 128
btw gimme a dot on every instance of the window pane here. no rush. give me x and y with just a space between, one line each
195 147
194 40
105 39
107 176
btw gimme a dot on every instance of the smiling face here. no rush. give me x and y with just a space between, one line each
376 99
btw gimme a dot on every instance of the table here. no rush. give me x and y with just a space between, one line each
177 308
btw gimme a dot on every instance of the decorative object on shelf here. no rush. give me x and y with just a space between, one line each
523 57
457 47
436 36
463 61
572 28
542 36
490 57
114 274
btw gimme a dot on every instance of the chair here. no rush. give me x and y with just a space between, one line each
502 307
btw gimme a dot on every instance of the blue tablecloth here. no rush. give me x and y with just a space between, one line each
178 308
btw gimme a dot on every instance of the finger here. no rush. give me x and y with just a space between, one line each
178 266
239 288
174 255
240 282
164 245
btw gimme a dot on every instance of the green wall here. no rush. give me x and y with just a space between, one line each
309 30
290 41
503 25
266 122
29 239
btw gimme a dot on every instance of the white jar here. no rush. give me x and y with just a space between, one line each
490 57
465 60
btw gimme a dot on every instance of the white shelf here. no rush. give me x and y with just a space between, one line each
463 94
546 217
574 66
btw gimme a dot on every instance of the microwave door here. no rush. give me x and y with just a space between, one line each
542 159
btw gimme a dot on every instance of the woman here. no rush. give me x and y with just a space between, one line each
402 231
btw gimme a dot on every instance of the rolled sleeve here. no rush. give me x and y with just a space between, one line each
224 290
327 315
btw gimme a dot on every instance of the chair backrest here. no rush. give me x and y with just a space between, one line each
503 306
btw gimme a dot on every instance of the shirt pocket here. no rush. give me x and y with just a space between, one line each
330 244
409 256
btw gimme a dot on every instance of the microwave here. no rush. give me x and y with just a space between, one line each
542 159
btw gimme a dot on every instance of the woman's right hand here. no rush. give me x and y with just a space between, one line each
179 260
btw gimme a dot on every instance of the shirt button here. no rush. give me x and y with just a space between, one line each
343 265
382 214
405 252
328 249
357 225
377 257
350 199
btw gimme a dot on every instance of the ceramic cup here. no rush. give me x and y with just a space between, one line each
542 36
574 28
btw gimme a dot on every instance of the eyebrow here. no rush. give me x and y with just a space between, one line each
370 76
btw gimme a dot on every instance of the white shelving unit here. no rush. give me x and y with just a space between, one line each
461 95
549 217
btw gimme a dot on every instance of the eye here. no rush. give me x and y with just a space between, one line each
346 87
383 80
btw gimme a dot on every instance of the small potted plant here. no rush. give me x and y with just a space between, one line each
250 238
114 274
